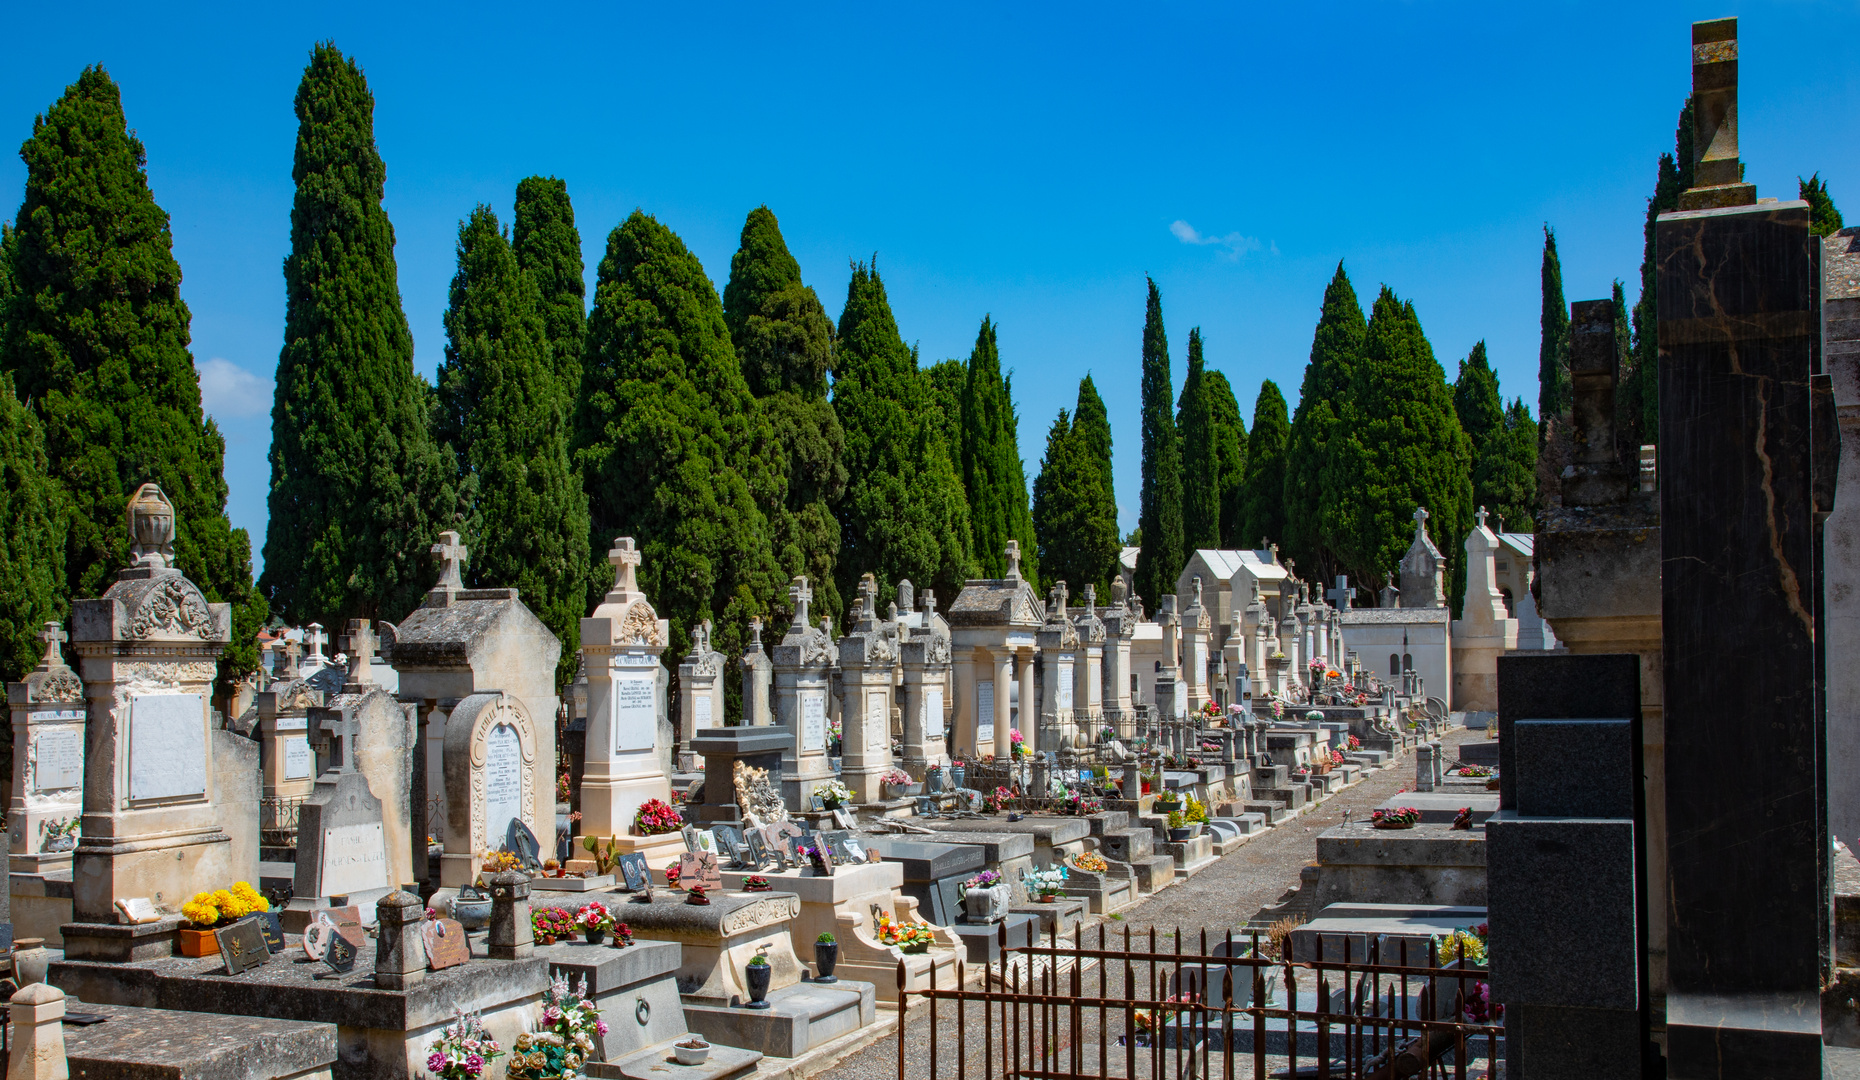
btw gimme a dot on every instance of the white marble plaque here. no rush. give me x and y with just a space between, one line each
1064 686
58 714
984 713
933 712
167 746
503 782
877 722
700 710
292 723
60 760
636 714
813 720
1199 676
297 758
355 858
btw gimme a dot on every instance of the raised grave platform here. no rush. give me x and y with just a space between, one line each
1441 807
170 1044
1358 925
618 980
1427 864
982 941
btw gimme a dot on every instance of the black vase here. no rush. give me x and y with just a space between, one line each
757 975
826 958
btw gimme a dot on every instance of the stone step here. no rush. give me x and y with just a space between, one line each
1109 821
1152 874
1294 796
1373 759
799 1018
1271 812
1194 853
1128 845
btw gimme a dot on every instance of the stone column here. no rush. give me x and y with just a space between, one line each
758 678
925 657
1739 539
36 1045
400 951
510 935
149 651
1119 627
1059 652
1026 718
803 663
1004 707
1088 678
48 758
868 653
1840 269
1195 644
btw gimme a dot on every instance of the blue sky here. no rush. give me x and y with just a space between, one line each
1030 163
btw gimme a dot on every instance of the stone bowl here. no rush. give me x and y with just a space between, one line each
688 1055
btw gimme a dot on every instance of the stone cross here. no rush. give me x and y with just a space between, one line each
625 559
450 553
868 596
1275 552
1343 593
1197 584
315 639
755 632
1481 515
928 600
1013 557
1060 598
293 653
800 595
361 643
1420 520
52 635
1091 597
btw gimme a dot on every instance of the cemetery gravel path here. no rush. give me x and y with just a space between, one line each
1226 894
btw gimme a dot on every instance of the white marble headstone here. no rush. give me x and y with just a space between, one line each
167 746
297 758
636 716
1064 685
354 859
813 720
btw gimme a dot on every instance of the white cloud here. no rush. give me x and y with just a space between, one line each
226 389
1233 245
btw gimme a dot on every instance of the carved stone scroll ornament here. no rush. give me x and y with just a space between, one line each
61 686
765 912
173 606
640 627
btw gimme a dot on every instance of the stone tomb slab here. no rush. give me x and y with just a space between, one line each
1480 752
1427 864
660 1063
1387 925
168 1044
799 1018
1440 808
1060 917
617 980
982 944
1007 852
927 868
718 939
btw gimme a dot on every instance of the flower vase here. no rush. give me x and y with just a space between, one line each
826 958
960 773
594 937
546 939
757 977
199 942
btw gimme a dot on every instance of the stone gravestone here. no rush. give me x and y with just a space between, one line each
924 690
493 753
150 647
803 662
368 731
342 845
700 695
868 653
48 761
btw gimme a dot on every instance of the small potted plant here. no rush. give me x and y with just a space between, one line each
623 936
899 785
61 835
1178 829
1167 802
696 896
834 795
208 911
756 883
1047 885
826 957
1396 817
691 1050
913 938
595 920
757 976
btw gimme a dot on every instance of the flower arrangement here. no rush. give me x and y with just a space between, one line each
834 794
1336 757
1278 709
1396 817
1091 862
908 937
1195 811
987 879
1080 804
1107 733
570 1023
623 935
1461 945
654 817
222 906
998 801
1314 717
594 915
1044 883
1151 1021
1475 770
1478 1006
697 894
564 792
756 883
671 874
1017 744
1355 743
550 924
896 778
496 862
462 1050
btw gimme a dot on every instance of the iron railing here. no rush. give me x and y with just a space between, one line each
277 820
1148 1010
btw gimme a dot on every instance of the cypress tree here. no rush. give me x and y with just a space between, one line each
548 246
1074 517
1553 347
1504 478
1230 442
664 431
1093 424
32 546
96 336
1640 383
1263 517
1476 401
784 343
358 488
1823 218
992 473
1159 563
945 381
528 526
1330 373
1201 457
1400 446
904 514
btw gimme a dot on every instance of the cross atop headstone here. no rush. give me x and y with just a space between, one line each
1013 558
1343 593
755 632
1091 597
315 639
700 641
52 635
451 554
1197 584
625 559
800 596
928 601
1420 520
361 643
1060 598
1274 548
1264 542
868 596
293 654
1481 515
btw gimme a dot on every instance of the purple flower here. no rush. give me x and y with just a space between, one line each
436 1062
474 1064
600 1027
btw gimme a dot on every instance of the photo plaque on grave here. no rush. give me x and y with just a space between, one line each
340 956
167 746
635 872
242 946
699 868
818 804
271 927
756 852
445 943
729 845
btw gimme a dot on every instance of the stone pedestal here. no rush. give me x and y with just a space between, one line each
721 748
803 666
48 761
1059 652
868 654
924 691
1484 629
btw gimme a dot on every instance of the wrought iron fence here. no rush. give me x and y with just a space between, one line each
277 820
1136 1010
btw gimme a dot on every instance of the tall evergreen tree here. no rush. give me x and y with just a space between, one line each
96 336
945 380
1823 218
1504 479
992 473
1640 382
1160 561
1093 423
528 526
663 434
1553 348
904 514
1201 457
32 546
1230 443
1400 446
1330 374
358 487
549 246
1263 517
1074 517
784 342
1476 401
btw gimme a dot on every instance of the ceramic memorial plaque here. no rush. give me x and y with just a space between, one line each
756 854
855 851
635 872
844 818
817 855
690 833
341 955
445 943
317 933
519 840
272 928
836 846
787 838
729 845
819 804
347 920
699 868
242 946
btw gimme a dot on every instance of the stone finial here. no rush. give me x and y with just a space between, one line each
360 642
1274 548
151 528
52 635
755 634
625 557
1343 593
868 596
1717 174
907 595
314 640
509 936
1061 598
400 950
1196 585
37 1039
450 554
928 600
1013 557
1091 597
293 656
799 595
1420 522
1481 515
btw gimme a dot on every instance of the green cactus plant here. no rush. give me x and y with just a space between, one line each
604 860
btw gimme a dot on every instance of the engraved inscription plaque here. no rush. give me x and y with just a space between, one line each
167 746
636 717
503 779
60 757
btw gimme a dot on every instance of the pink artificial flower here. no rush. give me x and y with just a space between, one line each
474 1064
600 1027
436 1062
